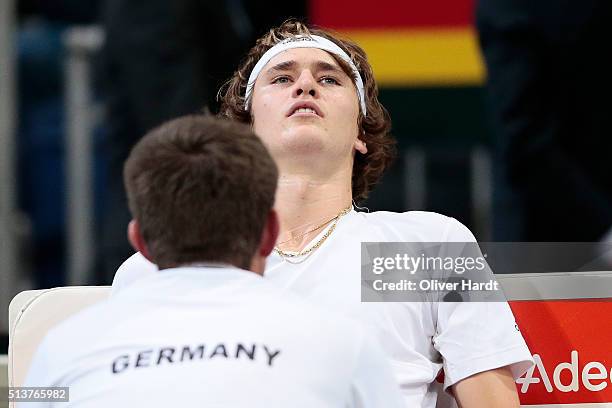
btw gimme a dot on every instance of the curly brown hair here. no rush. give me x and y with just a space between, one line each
375 127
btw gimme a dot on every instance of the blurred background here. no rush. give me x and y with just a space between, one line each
499 108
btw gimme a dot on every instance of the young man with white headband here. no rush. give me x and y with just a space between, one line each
313 100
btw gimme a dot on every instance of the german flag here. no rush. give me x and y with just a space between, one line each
409 42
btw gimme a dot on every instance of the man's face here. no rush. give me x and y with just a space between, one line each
304 104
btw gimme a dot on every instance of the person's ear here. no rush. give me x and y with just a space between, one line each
269 234
136 239
360 146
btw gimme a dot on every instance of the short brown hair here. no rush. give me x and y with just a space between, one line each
201 189
375 127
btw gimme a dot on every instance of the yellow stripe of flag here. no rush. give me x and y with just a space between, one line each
422 57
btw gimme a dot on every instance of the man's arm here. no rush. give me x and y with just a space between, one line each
481 346
493 388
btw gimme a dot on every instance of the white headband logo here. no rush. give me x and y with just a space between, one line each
314 41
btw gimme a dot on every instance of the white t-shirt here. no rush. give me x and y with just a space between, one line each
420 338
212 337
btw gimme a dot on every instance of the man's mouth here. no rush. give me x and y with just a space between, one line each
304 110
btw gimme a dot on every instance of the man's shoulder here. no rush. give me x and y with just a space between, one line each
133 269
68 337
410 216
425 226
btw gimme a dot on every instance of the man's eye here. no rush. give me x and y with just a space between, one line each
280 80
330 80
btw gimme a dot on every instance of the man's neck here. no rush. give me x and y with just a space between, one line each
304 202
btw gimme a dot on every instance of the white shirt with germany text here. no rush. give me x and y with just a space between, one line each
211 337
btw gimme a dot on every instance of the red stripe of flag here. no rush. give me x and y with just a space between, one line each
368 14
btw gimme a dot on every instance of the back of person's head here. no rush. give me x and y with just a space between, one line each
201 190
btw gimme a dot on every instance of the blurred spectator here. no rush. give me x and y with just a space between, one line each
40 128
62 11
548 80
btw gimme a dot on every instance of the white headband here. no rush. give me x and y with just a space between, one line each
313 41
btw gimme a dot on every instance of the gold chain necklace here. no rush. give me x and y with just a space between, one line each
309 231
317 244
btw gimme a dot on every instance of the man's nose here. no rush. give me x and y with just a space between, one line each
306 83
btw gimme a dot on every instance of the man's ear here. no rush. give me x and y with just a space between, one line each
136 239
360 146
269 234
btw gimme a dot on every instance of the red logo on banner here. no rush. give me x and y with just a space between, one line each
571 342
